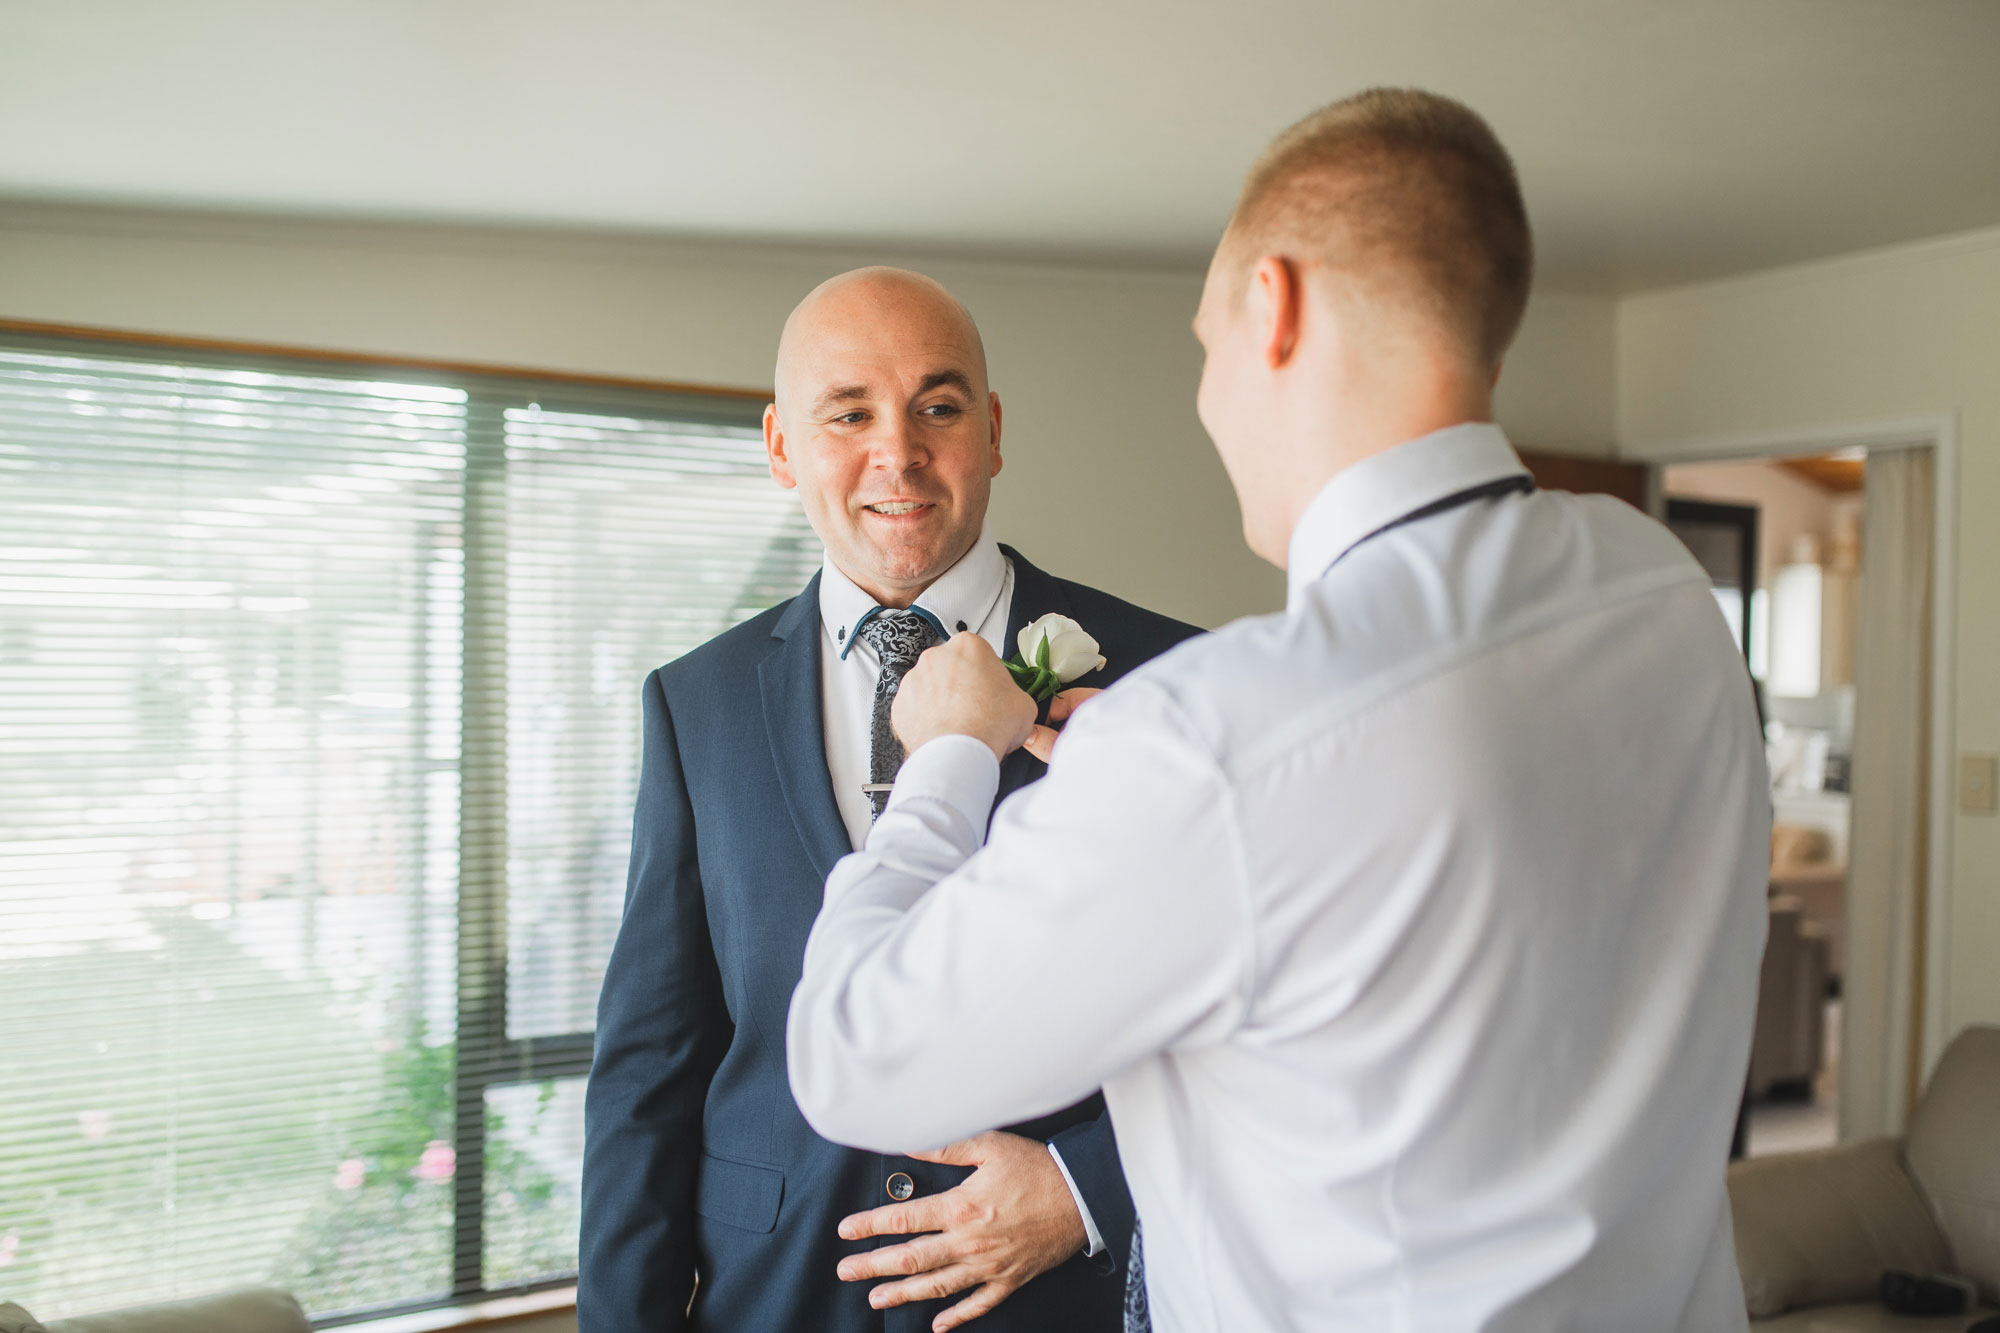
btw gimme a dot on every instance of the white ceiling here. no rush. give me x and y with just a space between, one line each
1659 140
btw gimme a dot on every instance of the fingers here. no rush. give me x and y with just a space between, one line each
896 1219
961 688
1065 704
930 1286
921 1255
1041 742
978 1303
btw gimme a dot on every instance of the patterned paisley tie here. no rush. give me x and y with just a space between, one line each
898 638
1137 1318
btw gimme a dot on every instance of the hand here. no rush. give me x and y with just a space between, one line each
960 688
1041 742
1010 1221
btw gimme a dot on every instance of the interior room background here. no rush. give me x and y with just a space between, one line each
357 1094
1109 476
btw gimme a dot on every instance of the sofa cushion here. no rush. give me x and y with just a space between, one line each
1951 1147
1814 1228
13 1319
253 1310
1868 1317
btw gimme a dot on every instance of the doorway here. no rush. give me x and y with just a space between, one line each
1781 541
1870 712
1886 968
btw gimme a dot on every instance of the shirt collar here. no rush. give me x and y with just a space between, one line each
1361 499
962 595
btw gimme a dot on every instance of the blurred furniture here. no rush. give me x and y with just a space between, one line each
252 1310
1790 1036
1821 893
1816 1230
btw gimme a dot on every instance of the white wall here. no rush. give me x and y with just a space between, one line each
1893 333
1557 389
1109 477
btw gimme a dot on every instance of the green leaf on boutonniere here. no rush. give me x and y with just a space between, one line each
1037 681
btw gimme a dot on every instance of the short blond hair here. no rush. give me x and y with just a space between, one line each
1410 206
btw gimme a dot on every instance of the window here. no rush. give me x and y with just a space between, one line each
318 745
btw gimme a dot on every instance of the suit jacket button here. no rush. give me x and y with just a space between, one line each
901 1187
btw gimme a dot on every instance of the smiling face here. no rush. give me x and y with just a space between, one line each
885 426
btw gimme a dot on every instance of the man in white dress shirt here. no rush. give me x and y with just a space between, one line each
1437 899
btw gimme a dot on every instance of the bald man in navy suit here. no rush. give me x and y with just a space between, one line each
709 1203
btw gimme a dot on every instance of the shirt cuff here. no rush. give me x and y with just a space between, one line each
1090 1233
958 771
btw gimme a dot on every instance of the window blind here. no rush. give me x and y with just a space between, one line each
318 745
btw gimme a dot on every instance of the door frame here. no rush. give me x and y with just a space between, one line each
1906 1070
1746 520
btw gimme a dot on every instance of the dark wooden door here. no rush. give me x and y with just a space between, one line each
1588 476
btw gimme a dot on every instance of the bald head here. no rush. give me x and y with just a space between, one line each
882 304
886 427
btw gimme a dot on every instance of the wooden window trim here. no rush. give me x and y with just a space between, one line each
334 357
498 1312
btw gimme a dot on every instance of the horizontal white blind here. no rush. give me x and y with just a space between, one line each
623 543
318 736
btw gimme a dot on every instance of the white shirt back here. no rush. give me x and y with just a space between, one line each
1414 931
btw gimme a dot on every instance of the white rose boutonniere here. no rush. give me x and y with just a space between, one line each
1054 651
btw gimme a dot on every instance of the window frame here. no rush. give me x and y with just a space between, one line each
486 1056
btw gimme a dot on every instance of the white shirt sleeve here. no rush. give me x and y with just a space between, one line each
1093 1239
948 989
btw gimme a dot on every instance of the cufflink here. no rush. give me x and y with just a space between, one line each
901 1187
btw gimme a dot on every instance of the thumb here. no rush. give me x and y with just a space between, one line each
966 1152
1041 743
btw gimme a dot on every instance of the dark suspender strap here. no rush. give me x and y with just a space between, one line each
1520 482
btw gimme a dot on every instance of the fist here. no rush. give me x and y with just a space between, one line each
960 688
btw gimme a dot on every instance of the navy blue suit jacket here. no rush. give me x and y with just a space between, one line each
697 1163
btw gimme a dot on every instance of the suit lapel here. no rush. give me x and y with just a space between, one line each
789 679
1035 595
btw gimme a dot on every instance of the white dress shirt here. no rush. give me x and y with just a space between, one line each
975 594
1412 933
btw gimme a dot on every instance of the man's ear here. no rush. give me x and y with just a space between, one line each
774 446
1277 306
993 440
